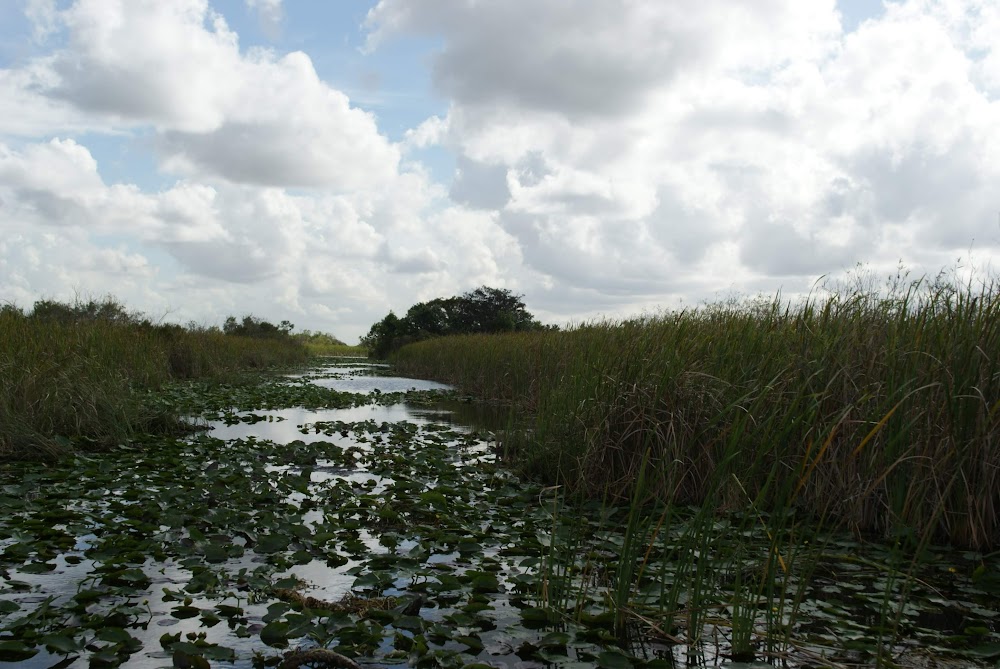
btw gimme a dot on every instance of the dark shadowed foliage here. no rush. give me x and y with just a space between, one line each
480 311
258 328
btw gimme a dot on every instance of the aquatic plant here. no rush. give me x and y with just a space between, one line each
80 375
347 536
878 408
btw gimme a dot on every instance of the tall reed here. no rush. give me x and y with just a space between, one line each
877 408
88 382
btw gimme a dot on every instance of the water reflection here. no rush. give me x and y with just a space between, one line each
285 425
382 384
459 413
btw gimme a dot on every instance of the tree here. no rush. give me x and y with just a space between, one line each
251 326
108 310
434 318
488 309
483 310
380 338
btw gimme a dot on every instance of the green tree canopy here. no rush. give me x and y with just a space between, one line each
482 310
251 326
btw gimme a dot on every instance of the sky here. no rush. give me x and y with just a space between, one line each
327 162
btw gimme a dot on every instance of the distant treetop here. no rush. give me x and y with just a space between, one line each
251 326
483 310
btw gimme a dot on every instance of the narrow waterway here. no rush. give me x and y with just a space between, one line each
89 605
379 524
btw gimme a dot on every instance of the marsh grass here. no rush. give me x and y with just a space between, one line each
878 408
89 382
336 350
871 410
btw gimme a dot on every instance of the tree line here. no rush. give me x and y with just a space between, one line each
110 310
483 310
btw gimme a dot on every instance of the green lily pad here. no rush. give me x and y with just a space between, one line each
613 660
59 643
15 651
275 634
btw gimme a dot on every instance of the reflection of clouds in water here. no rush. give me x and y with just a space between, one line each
346 379
320 579
294 420
288 430
383 384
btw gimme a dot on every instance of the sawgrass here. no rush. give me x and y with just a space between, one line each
877 408
88 384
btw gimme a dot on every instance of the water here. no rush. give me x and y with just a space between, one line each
390 500
73 571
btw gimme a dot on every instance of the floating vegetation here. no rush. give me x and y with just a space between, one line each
404 542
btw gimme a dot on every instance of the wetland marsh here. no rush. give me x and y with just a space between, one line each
343 508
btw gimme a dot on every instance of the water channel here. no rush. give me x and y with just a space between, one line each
384 529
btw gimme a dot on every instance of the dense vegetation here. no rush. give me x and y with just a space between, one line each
879 408
82 373
317 343
383 535
322 343
483 310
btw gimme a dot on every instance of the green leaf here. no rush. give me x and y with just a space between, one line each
209 619
537 616
136 576
58 643
114 635
167 640
553 655
7 606
554 639
37 568
271 543
105 656
215 553
184 660
987 651
15 651
612 660
228 610
485 583
220 653
413 623
275 634
184 612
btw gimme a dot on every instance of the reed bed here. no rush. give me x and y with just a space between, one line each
880 409
89 383
336 350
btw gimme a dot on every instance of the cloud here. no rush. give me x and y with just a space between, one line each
250 118
171 64
610 157
202 250
599 58
240 130
669 149
290 129
270 13
479 185
421 261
